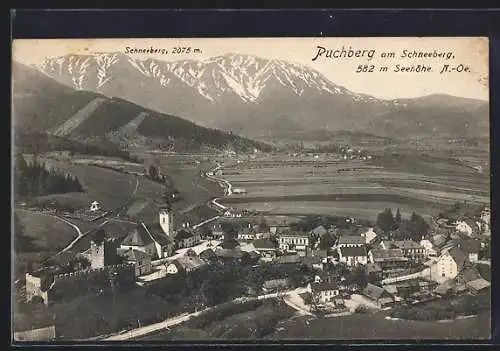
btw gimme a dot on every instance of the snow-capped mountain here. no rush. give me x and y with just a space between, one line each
246 94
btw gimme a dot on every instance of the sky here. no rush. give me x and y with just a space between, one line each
471 52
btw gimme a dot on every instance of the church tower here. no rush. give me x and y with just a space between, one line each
167 221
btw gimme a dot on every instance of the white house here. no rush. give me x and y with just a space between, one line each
463 227
448 265
351 241
293 241
325 292
95 206
353 256
429 248
369 235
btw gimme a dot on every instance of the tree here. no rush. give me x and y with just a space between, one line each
398 216
153 172
263 226
385 220
22 242
358 276
326 241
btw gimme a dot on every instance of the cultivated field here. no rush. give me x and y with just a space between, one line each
362 189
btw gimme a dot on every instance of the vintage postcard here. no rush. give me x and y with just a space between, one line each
251 189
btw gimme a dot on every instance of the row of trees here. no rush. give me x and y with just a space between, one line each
34 179
399 228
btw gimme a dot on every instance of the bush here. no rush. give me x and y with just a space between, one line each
361 309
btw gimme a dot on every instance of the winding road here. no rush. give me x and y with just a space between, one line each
149 329
122 209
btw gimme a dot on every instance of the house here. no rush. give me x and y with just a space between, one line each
140 239
164 244
293 241
95 206
247 233
265 247
478 285
386 259
486 219
325 291
186 264
187 238
471 248
275 285
411 249
353 255
369 235
140 260
351 241
448 265
217 231
429 250
378 295
316 259
464 227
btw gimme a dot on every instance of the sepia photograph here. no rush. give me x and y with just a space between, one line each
259 189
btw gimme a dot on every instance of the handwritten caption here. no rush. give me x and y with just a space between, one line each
447 64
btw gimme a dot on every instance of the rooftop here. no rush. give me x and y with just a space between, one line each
261 244
324 286
356 251
388 255
288 259
373 291
405 244
132 254
470 245
352 240
190 263
478 284
138 237
458 255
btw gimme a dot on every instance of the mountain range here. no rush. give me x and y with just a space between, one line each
257 97
43 105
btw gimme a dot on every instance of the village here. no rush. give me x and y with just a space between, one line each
328 270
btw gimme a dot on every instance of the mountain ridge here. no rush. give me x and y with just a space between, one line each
248 94
41 104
